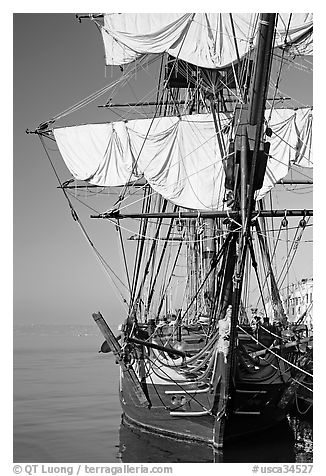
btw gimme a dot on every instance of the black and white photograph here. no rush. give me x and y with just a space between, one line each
163 283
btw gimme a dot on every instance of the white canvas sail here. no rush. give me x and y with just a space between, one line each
290 144
203 39
179 157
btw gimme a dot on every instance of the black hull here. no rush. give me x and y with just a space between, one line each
140 446
255 414
200 400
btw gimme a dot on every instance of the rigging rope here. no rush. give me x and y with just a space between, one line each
85 233
124 255
274 353
169 378
280 68
184 179
152 121
293 250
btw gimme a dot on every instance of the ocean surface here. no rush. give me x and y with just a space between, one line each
66 410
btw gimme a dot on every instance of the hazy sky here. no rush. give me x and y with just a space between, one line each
58 62
57 278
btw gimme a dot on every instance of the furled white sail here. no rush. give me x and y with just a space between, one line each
209 40
303 122
290 144
179 157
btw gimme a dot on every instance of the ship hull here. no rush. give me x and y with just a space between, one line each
253 410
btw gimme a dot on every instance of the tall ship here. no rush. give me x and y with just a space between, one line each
204 248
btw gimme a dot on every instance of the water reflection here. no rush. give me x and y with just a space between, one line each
303 435
291 441
140 447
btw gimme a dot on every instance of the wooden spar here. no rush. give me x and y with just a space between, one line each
162 103
89 16
142 104
141 184
107 333
128 371
295 182
151 345
172 238
115 214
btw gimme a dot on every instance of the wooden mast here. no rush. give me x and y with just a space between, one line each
251 128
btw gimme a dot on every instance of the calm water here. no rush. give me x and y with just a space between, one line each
66 409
